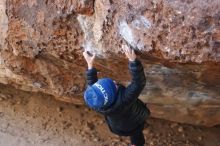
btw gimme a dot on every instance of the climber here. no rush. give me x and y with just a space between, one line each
124 113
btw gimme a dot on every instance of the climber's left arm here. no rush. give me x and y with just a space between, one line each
91 72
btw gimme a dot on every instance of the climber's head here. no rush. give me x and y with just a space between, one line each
101 94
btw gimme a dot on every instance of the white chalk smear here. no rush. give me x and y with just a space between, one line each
126 32
136 24
87 46
145 21
140 45
141 23
88 35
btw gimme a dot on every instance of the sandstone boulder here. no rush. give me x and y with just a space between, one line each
178 41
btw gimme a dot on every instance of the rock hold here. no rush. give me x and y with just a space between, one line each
60 109
90 126
180 129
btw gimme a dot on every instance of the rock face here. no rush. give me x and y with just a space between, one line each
41 47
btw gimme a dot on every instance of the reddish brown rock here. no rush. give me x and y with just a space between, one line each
41 47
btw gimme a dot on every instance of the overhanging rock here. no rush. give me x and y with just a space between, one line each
41 46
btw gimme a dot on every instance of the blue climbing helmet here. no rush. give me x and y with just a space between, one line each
101 94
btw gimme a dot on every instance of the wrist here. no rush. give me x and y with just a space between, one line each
132 60
90 66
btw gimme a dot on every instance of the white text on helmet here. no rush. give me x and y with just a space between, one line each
103 92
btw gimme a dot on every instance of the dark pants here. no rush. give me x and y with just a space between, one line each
137 138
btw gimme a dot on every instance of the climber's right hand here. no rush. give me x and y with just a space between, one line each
129 53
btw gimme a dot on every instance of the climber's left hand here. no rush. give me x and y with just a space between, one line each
89 59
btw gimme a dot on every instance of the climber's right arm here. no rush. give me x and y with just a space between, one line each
138 81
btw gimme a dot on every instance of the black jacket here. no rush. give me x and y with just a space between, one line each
128 113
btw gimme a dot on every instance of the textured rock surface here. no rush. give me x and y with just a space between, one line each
41 44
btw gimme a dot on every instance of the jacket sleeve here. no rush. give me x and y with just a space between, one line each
138 81
91 76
